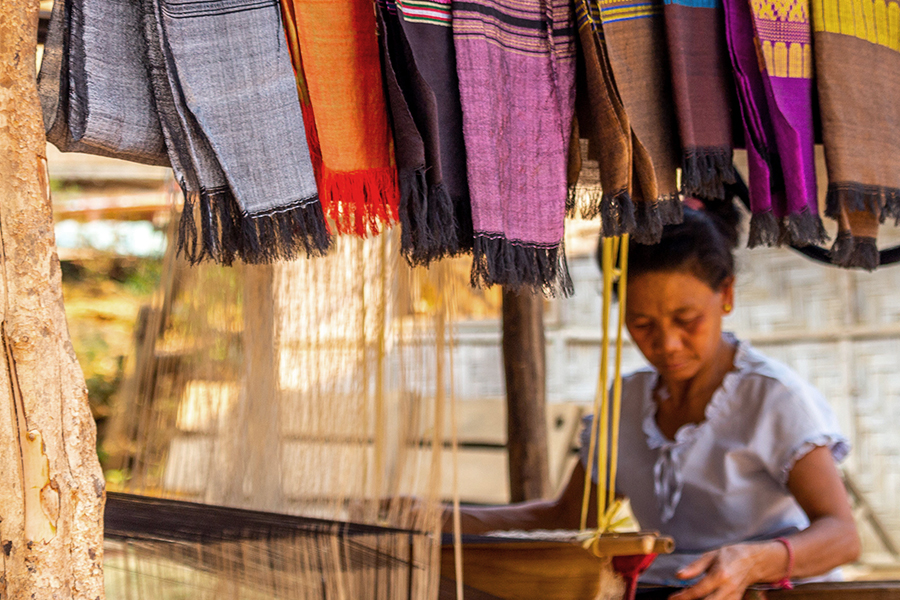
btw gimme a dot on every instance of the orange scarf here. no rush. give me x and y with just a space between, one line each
344 111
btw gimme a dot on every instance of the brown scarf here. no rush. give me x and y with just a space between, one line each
636 45
858 70
701 81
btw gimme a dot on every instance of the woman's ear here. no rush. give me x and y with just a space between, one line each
727 291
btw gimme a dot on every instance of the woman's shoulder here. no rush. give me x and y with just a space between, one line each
766 380
781 406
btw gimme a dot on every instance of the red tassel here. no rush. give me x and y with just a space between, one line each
360 202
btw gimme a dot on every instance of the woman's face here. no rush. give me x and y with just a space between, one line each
676 320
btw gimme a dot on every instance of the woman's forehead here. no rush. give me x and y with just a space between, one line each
666 291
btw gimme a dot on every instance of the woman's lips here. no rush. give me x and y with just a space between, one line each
674 366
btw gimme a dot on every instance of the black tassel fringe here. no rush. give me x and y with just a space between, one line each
855 252
617 214
571 204
650 217
706 171
517 265
803 229
429 230
225 233
764 230
882 202
800 229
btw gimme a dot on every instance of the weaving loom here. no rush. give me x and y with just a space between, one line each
313 388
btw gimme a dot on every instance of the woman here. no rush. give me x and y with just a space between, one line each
724 449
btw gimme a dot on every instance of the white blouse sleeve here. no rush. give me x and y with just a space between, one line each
792 421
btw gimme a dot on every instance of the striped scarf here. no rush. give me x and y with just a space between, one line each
427 208
636 43
857 56
603 122
516 69
125 79
702 84
772 60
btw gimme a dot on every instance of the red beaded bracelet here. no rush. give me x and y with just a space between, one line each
785 582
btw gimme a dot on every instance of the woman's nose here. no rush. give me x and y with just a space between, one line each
669 340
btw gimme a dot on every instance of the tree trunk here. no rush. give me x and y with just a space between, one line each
51 486
525 367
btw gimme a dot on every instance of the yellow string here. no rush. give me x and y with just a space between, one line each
617 377
604 439
600 395
609 261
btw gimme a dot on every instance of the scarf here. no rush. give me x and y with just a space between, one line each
428 31
636 45
857 58
237 101
126 79
93 85
427 215
701 82
516 69
771 56
340 82
603 122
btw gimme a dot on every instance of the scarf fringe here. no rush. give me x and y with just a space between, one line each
764 230
572 202
226 233
360 202
428 220
617 214
883 202
651 217
803 229
517 265
799 229
855 252
706 171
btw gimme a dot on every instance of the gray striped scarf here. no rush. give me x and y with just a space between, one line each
206 87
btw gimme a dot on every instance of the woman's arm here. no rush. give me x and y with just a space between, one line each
563 512
830 540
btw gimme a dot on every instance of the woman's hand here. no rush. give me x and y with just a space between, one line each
731 569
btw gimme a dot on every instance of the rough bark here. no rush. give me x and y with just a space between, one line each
525 367
51 486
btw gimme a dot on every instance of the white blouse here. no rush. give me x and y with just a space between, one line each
721 481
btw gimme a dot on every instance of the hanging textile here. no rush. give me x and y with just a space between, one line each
341 70
94 90
636 43
702 84
603 122
771 55
857 54
516 68
427 28
239 106
427 215
212 88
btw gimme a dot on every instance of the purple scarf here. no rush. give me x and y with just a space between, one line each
516 68
776 104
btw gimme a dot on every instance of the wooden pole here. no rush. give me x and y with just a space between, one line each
525 368
51 485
